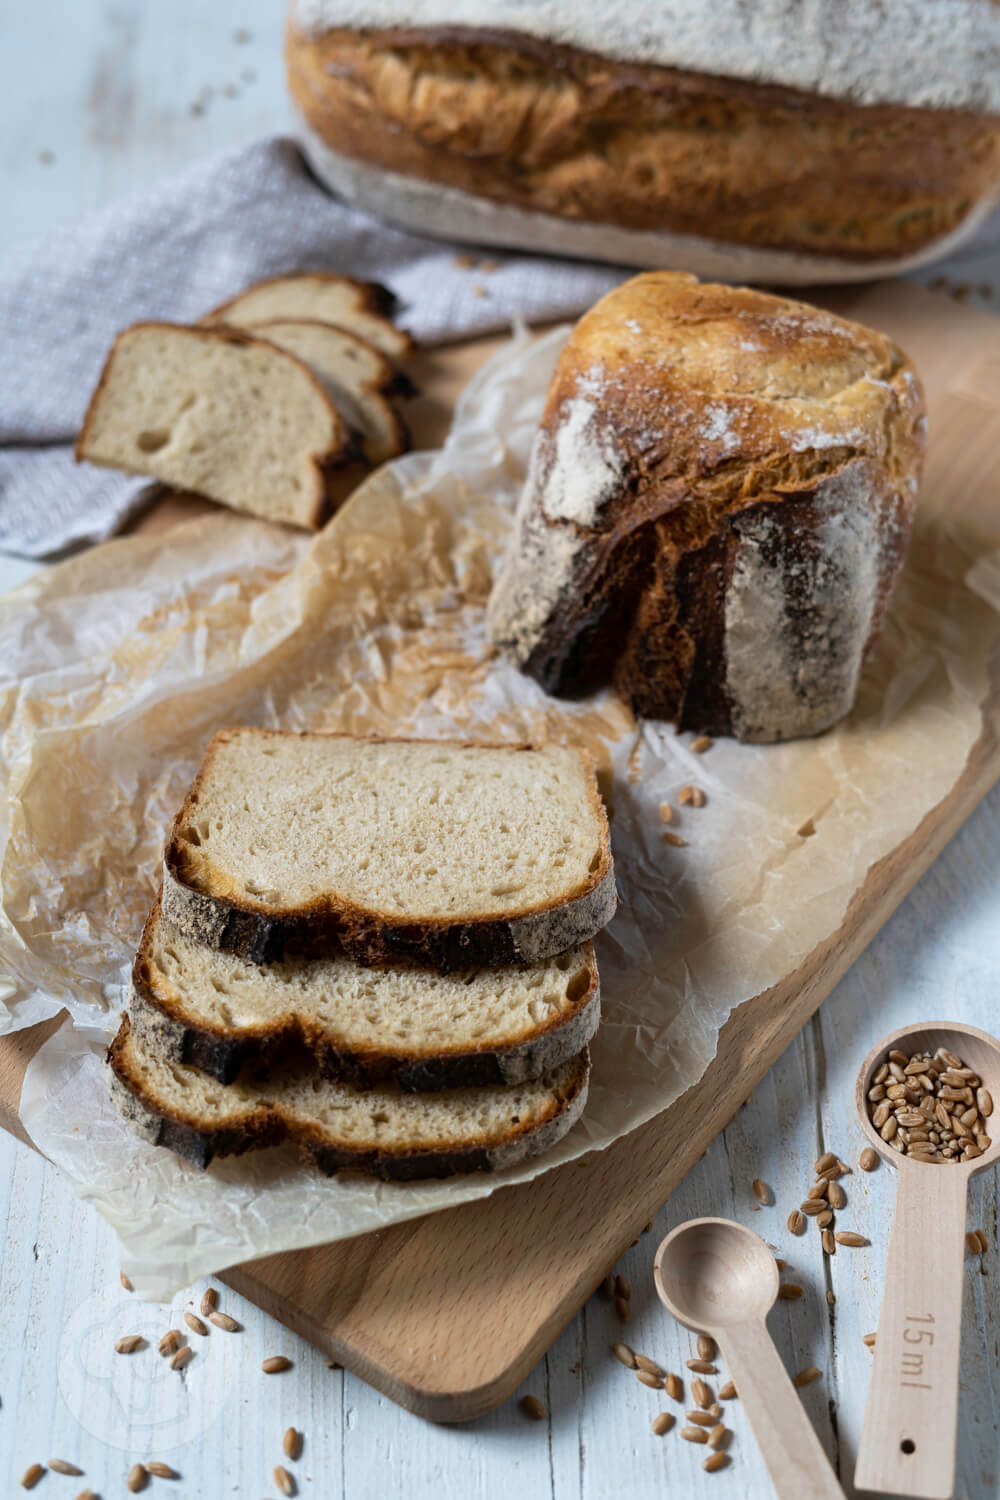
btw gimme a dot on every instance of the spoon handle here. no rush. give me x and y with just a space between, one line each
794 1456
908 1435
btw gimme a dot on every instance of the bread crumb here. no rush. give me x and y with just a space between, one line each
807 830
675 839
463 262
666 813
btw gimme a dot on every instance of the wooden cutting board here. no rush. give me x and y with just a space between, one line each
447 1314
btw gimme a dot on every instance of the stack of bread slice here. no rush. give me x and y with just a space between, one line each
278 402
377 949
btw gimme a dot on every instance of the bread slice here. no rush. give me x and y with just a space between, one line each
454 855
355 375
382 1131
402 1024
361 307
219 412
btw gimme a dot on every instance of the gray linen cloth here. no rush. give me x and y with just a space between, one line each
173 252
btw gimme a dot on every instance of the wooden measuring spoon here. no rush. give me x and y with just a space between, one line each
717 1277
908 1436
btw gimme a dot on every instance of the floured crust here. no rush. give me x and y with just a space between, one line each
531 128
261 933
169 1027
266 1121
941 53
735 574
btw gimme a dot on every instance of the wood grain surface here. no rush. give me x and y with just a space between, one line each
424 1311
97 100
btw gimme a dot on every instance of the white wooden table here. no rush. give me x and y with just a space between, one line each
95 100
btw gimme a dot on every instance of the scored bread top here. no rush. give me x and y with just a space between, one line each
425 1029
938 53
416 831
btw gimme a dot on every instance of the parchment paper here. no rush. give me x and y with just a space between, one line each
117 667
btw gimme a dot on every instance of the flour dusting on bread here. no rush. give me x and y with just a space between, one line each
736 577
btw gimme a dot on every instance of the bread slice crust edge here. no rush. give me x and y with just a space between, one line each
325 466
262 933
373 299
258 1128
163 1022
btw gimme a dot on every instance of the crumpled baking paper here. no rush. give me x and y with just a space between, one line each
116 668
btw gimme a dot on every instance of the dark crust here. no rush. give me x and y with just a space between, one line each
263 1128
223 1056
325 464
644 604
263 934
556 130
373 298
388 383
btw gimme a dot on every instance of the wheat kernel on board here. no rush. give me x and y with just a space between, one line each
533 1408
283 1481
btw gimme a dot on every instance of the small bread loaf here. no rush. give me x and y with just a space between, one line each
716 511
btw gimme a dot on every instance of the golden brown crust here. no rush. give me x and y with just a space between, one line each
329 467
212 913
554 130
729 424
372 297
